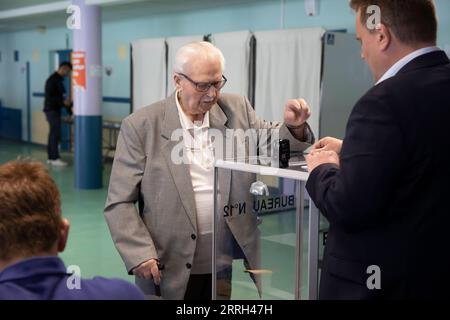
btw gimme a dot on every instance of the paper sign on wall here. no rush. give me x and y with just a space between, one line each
79 69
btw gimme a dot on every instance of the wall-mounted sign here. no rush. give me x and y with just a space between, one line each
79 69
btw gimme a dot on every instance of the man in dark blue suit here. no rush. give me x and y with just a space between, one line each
32 232
385 188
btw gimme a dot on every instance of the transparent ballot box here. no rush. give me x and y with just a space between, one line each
266 232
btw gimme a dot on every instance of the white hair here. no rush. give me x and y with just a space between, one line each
195 50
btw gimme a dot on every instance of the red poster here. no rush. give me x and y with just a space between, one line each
79 69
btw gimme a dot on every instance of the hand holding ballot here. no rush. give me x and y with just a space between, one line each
328 144
316 158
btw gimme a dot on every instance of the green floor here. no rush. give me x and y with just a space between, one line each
90 246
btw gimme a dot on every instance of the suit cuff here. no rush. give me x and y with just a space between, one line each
316 177
295 144
308 134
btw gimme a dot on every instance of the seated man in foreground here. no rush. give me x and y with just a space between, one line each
32 232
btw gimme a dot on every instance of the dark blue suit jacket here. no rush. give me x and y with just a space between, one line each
388 203
45 278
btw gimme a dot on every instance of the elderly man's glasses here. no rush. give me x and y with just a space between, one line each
204 86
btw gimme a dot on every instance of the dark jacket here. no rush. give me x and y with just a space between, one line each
54 93
387 204
46 278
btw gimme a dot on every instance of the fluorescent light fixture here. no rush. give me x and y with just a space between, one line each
33 10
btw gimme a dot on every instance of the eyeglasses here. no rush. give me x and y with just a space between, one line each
204 86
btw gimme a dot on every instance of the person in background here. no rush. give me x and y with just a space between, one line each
32 232
54 102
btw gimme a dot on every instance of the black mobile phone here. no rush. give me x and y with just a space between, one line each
284 153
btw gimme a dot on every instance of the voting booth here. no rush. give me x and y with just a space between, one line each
269 67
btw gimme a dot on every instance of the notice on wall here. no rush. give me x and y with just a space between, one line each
79 69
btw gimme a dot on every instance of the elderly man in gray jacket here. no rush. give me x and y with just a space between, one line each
166 242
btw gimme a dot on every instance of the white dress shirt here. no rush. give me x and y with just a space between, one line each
200 155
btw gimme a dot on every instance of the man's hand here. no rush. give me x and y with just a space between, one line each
68 103
296 112
148 270
328 144
316 158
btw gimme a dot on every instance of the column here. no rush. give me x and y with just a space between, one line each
87 81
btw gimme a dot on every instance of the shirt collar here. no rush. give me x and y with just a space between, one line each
404 61
32 267
186 123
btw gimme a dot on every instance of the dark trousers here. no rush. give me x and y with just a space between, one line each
54 135
199 287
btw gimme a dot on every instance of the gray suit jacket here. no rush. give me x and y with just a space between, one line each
162 227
